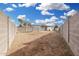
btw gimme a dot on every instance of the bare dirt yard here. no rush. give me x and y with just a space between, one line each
43 43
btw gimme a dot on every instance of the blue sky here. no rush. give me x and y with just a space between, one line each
34 12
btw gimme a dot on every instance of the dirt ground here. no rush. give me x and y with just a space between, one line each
43 43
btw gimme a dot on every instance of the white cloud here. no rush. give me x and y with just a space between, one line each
9 9
53 18
49 22
26 4
51 6
32 23
65 14
71 13
40 21
44 7
63 17
21 17
20 5
13 5
46 13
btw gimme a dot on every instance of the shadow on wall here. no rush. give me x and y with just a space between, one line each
48 45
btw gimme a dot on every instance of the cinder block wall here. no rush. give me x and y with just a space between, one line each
12 32
73 33
65 30
7 33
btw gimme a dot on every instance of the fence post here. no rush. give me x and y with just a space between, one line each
68 29
7 33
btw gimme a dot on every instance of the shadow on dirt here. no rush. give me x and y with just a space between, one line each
50 45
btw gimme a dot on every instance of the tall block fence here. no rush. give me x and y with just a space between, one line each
70 32
7 33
